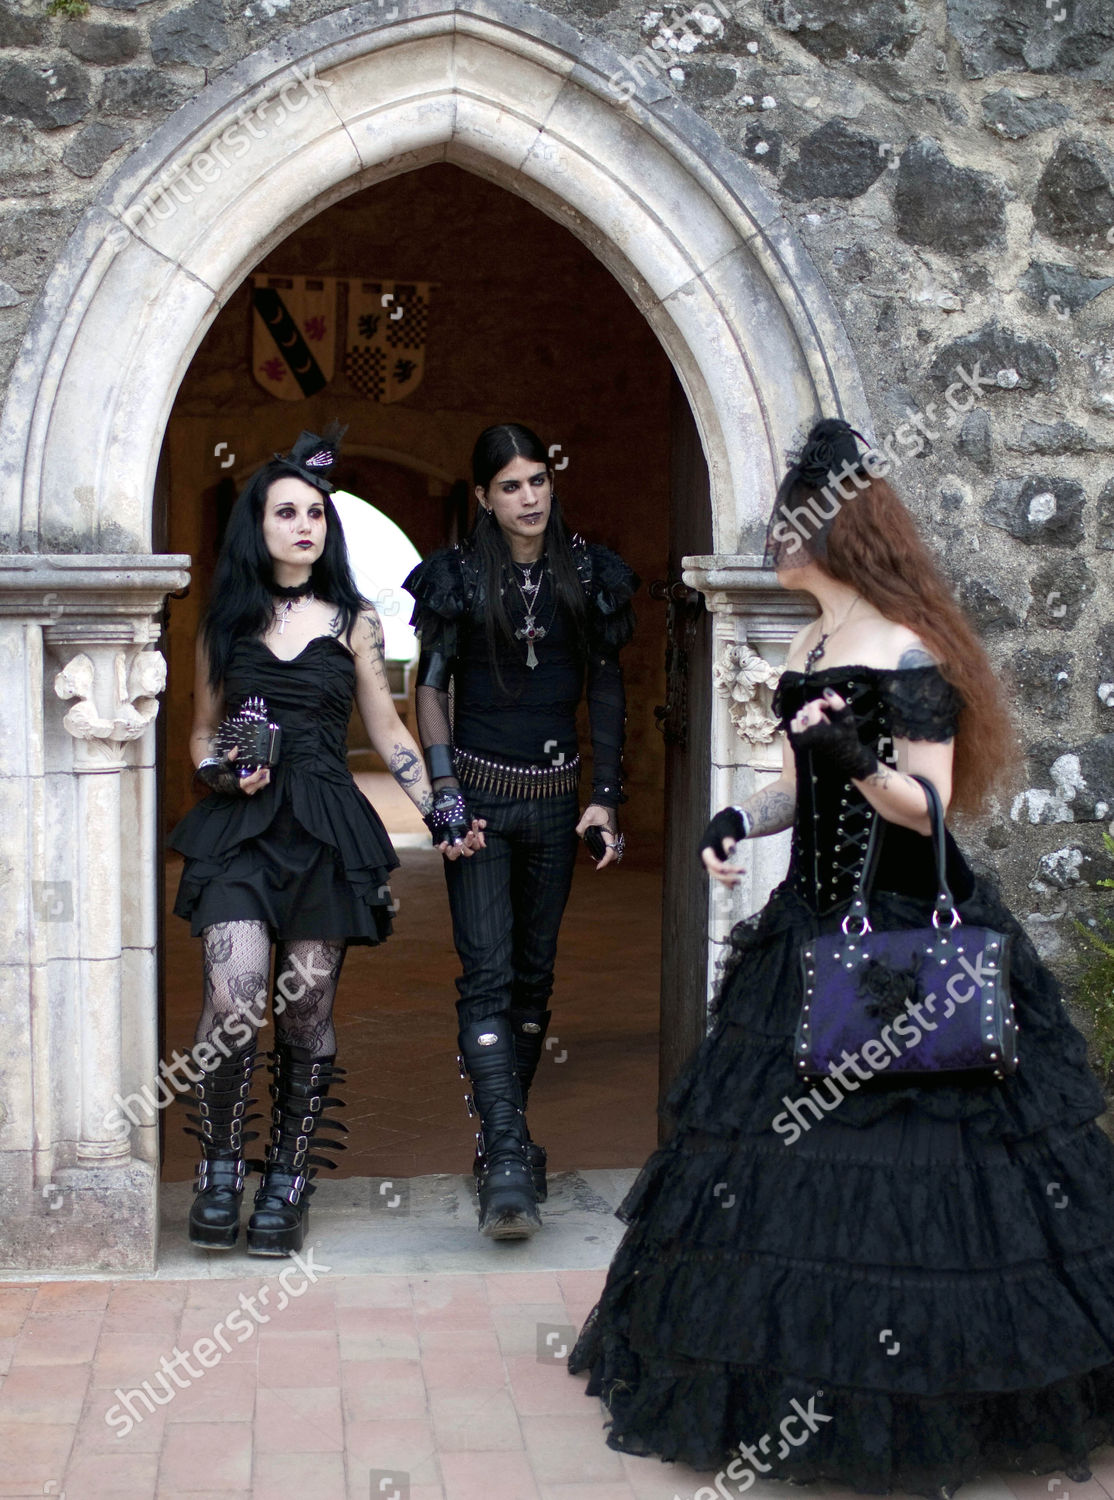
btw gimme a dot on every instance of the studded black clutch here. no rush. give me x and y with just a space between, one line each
250 732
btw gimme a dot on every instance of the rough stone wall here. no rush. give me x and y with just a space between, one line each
949 164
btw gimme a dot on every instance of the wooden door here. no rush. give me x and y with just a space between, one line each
685 721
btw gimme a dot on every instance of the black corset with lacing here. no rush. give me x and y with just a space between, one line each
833 817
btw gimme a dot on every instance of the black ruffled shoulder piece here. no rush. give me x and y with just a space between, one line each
437 584
609 586
923 704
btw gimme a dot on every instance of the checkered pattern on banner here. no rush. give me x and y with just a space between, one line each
388 322
364 367
409 331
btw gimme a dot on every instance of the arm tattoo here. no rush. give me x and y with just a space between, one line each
770 811
406 767
915 656
880 778
425 804
335 623
375 626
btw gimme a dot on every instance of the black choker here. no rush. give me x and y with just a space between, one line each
292 593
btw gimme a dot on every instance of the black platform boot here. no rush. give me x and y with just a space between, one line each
299 1089
528 1028
508 1203
221 1098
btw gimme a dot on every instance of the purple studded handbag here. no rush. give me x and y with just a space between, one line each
923 1002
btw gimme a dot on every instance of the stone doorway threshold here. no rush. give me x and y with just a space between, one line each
372 1225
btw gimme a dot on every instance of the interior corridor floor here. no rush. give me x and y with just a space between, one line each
594 1101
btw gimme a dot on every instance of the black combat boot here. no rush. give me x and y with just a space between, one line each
221 1098
528 1029
299 1089
508 1202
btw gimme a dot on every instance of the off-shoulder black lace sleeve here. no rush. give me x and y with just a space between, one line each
438 589
609 585
923 704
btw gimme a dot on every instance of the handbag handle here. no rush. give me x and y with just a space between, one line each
945 904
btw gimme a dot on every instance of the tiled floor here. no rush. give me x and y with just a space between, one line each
441 1387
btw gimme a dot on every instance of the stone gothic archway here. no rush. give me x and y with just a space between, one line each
515 96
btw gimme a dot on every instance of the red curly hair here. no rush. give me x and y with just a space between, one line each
875 547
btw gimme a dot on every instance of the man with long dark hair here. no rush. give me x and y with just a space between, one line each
517 619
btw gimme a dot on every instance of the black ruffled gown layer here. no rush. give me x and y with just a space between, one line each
307 854
932 1265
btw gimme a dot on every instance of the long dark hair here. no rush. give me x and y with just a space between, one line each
240 600
495 448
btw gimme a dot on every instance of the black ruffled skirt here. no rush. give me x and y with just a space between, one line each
926 1272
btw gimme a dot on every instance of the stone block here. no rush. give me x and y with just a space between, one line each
834 162
1052 438
87 153
1075 36
1015 117
50 96
1044 680
22 26
1105 517
102 44
1061 289
140 93
1060 589
1074 201
194 34
1006 359
948 208
974 440
986 604
835 30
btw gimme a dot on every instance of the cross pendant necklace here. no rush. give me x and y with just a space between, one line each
530 631
290 608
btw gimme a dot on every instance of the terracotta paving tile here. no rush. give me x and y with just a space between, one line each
452 1370
404 1445
35 1453
378 1334
15 1305
569 1449
451 1302
298 1359
224 1393
7 1349
299 1476
129 1362
96 1435
373 1390
524 1327
68 1339
544 1387
299 1419
488 1476
523 1286
212 1457
620 1490
373 1291
44 1393
242 1338
103 1476
72 1296
477 1423
650 1479
154 1296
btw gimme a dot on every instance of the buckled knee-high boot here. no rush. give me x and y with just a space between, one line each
221 1098
528 1029
299 1093
508 1202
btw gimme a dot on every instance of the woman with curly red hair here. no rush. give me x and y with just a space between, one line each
896 1277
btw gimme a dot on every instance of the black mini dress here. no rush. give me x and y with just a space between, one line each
307 854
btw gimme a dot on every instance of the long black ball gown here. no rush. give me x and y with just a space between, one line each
932 1266
307 853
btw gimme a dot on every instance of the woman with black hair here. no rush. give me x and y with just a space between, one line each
515 620
877 1251
285 849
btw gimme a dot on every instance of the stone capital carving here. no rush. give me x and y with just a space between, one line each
116 693
738 676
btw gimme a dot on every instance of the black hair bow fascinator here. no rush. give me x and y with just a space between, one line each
312 457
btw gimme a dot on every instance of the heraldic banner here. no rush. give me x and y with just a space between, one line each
293 334
384 348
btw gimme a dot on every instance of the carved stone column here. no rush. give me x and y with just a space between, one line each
78 997
753 622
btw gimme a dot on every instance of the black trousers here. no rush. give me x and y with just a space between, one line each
507 902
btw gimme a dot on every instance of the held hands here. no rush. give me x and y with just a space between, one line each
716 847
454 834
827 727
606 820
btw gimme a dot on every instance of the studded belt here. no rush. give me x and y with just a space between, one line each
480 774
